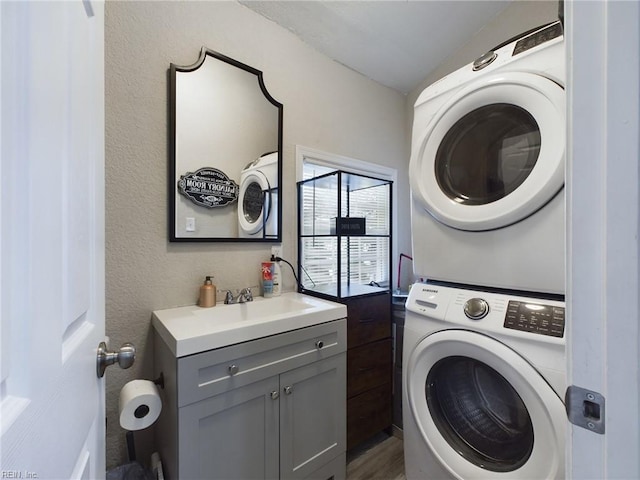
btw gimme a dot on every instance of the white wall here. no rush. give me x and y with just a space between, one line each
326 106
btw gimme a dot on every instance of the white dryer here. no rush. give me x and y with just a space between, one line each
257 201
487 169
483 378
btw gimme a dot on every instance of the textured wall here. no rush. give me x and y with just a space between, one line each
326 106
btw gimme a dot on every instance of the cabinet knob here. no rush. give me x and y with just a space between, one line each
233 369
288 390
319 344
275 395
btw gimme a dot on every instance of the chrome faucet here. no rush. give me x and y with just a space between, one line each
244 296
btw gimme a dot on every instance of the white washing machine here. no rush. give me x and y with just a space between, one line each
487 169
258 198
483 378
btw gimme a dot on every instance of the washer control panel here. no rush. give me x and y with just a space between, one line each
535 318
490 312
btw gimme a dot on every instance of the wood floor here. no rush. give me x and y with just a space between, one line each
380 459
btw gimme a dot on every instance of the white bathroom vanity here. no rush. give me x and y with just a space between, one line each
254 390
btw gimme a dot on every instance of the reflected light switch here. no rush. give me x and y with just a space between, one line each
191 224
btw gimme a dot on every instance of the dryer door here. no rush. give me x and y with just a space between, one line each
254 203
483 410
493 154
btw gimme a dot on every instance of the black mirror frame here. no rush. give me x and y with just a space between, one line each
172 149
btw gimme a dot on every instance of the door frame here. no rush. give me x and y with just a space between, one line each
603 211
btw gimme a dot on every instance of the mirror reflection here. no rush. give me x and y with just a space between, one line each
226 153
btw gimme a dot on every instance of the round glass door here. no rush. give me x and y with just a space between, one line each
483 410
487 154
479 413
493 154
254 203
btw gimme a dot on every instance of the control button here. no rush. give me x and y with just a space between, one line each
484 60
476 308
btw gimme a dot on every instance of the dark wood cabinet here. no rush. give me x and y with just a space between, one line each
369 367
368 414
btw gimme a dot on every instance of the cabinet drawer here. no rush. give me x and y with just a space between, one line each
368 366
216 371
368 414
369 319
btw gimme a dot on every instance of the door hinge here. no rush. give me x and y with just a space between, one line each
585 408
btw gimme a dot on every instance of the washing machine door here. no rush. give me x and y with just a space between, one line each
254 202
493 154
483 410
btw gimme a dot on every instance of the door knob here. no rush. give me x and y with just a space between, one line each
125 357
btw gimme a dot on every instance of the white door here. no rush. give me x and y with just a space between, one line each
52 418
603 212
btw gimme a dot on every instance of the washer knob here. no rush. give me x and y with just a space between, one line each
476 308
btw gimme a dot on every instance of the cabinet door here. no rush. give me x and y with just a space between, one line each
312 416
233 435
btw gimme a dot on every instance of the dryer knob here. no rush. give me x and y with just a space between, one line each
476 308
484 60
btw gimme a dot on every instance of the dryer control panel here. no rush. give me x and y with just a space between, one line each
538 38
535 318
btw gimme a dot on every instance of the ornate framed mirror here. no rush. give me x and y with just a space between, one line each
225 167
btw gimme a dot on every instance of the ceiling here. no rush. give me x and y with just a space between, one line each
395 42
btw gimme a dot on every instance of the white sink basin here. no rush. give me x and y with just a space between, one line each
260 307
189 330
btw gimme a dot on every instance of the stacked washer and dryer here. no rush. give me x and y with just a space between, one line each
484 340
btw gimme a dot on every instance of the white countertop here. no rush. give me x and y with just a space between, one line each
192 329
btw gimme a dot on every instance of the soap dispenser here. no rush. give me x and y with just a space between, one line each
207 293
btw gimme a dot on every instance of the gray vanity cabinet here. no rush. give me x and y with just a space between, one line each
216 434
268 408
313 416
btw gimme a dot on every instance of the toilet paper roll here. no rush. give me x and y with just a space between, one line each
140 404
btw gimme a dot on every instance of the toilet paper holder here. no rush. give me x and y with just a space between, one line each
125 357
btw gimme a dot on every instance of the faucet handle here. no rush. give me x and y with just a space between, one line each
247 294
228 297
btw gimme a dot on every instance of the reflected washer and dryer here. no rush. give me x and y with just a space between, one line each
257 201
483 377
487 169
